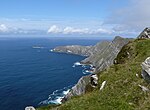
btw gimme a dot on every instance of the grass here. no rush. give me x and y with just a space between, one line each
121 91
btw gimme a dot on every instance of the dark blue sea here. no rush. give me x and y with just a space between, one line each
36 76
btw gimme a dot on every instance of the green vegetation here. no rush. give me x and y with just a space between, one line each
49 107
121 91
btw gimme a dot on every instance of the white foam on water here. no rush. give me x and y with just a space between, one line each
58 100
51 50
56 97
84 72
66 92
77 64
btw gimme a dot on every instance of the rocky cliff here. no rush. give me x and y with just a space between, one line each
146 69
105 56
145 33
78 89
100 55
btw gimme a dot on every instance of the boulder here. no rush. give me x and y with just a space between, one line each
146 69
102 86
30 108
94 80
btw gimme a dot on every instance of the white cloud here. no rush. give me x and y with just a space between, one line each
54 29
104 31
71 30
132 18
3 28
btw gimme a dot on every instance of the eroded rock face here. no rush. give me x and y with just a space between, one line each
146 69
100 55
145 34
74 49
79 88
105 57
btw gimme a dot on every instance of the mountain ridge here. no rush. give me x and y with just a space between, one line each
94 53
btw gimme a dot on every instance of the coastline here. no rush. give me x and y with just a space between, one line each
61 94
96 63
102 57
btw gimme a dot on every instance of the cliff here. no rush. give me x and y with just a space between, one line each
106 55
100 55
145 33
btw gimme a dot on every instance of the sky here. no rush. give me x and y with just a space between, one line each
98 18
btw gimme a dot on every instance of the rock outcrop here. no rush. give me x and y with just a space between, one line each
79 88
106 55
94 80
100 55
145 34
74 49
146 69
30 108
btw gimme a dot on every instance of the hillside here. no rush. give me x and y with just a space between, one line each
122 91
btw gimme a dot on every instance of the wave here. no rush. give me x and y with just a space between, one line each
87 68
56 97
77 64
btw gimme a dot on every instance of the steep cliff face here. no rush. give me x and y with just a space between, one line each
79 88
105 57
100 55
145 33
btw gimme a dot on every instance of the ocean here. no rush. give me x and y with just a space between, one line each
32 75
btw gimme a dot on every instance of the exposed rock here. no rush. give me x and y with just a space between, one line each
100 55
102 86
30 108
137 75
146 69
74 49
145 34
145 89
94 80
105 57
79 88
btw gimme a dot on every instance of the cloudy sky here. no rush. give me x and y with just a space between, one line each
98 18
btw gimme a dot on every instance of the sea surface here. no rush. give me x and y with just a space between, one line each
32 75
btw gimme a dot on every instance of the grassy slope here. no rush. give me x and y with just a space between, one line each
121 91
